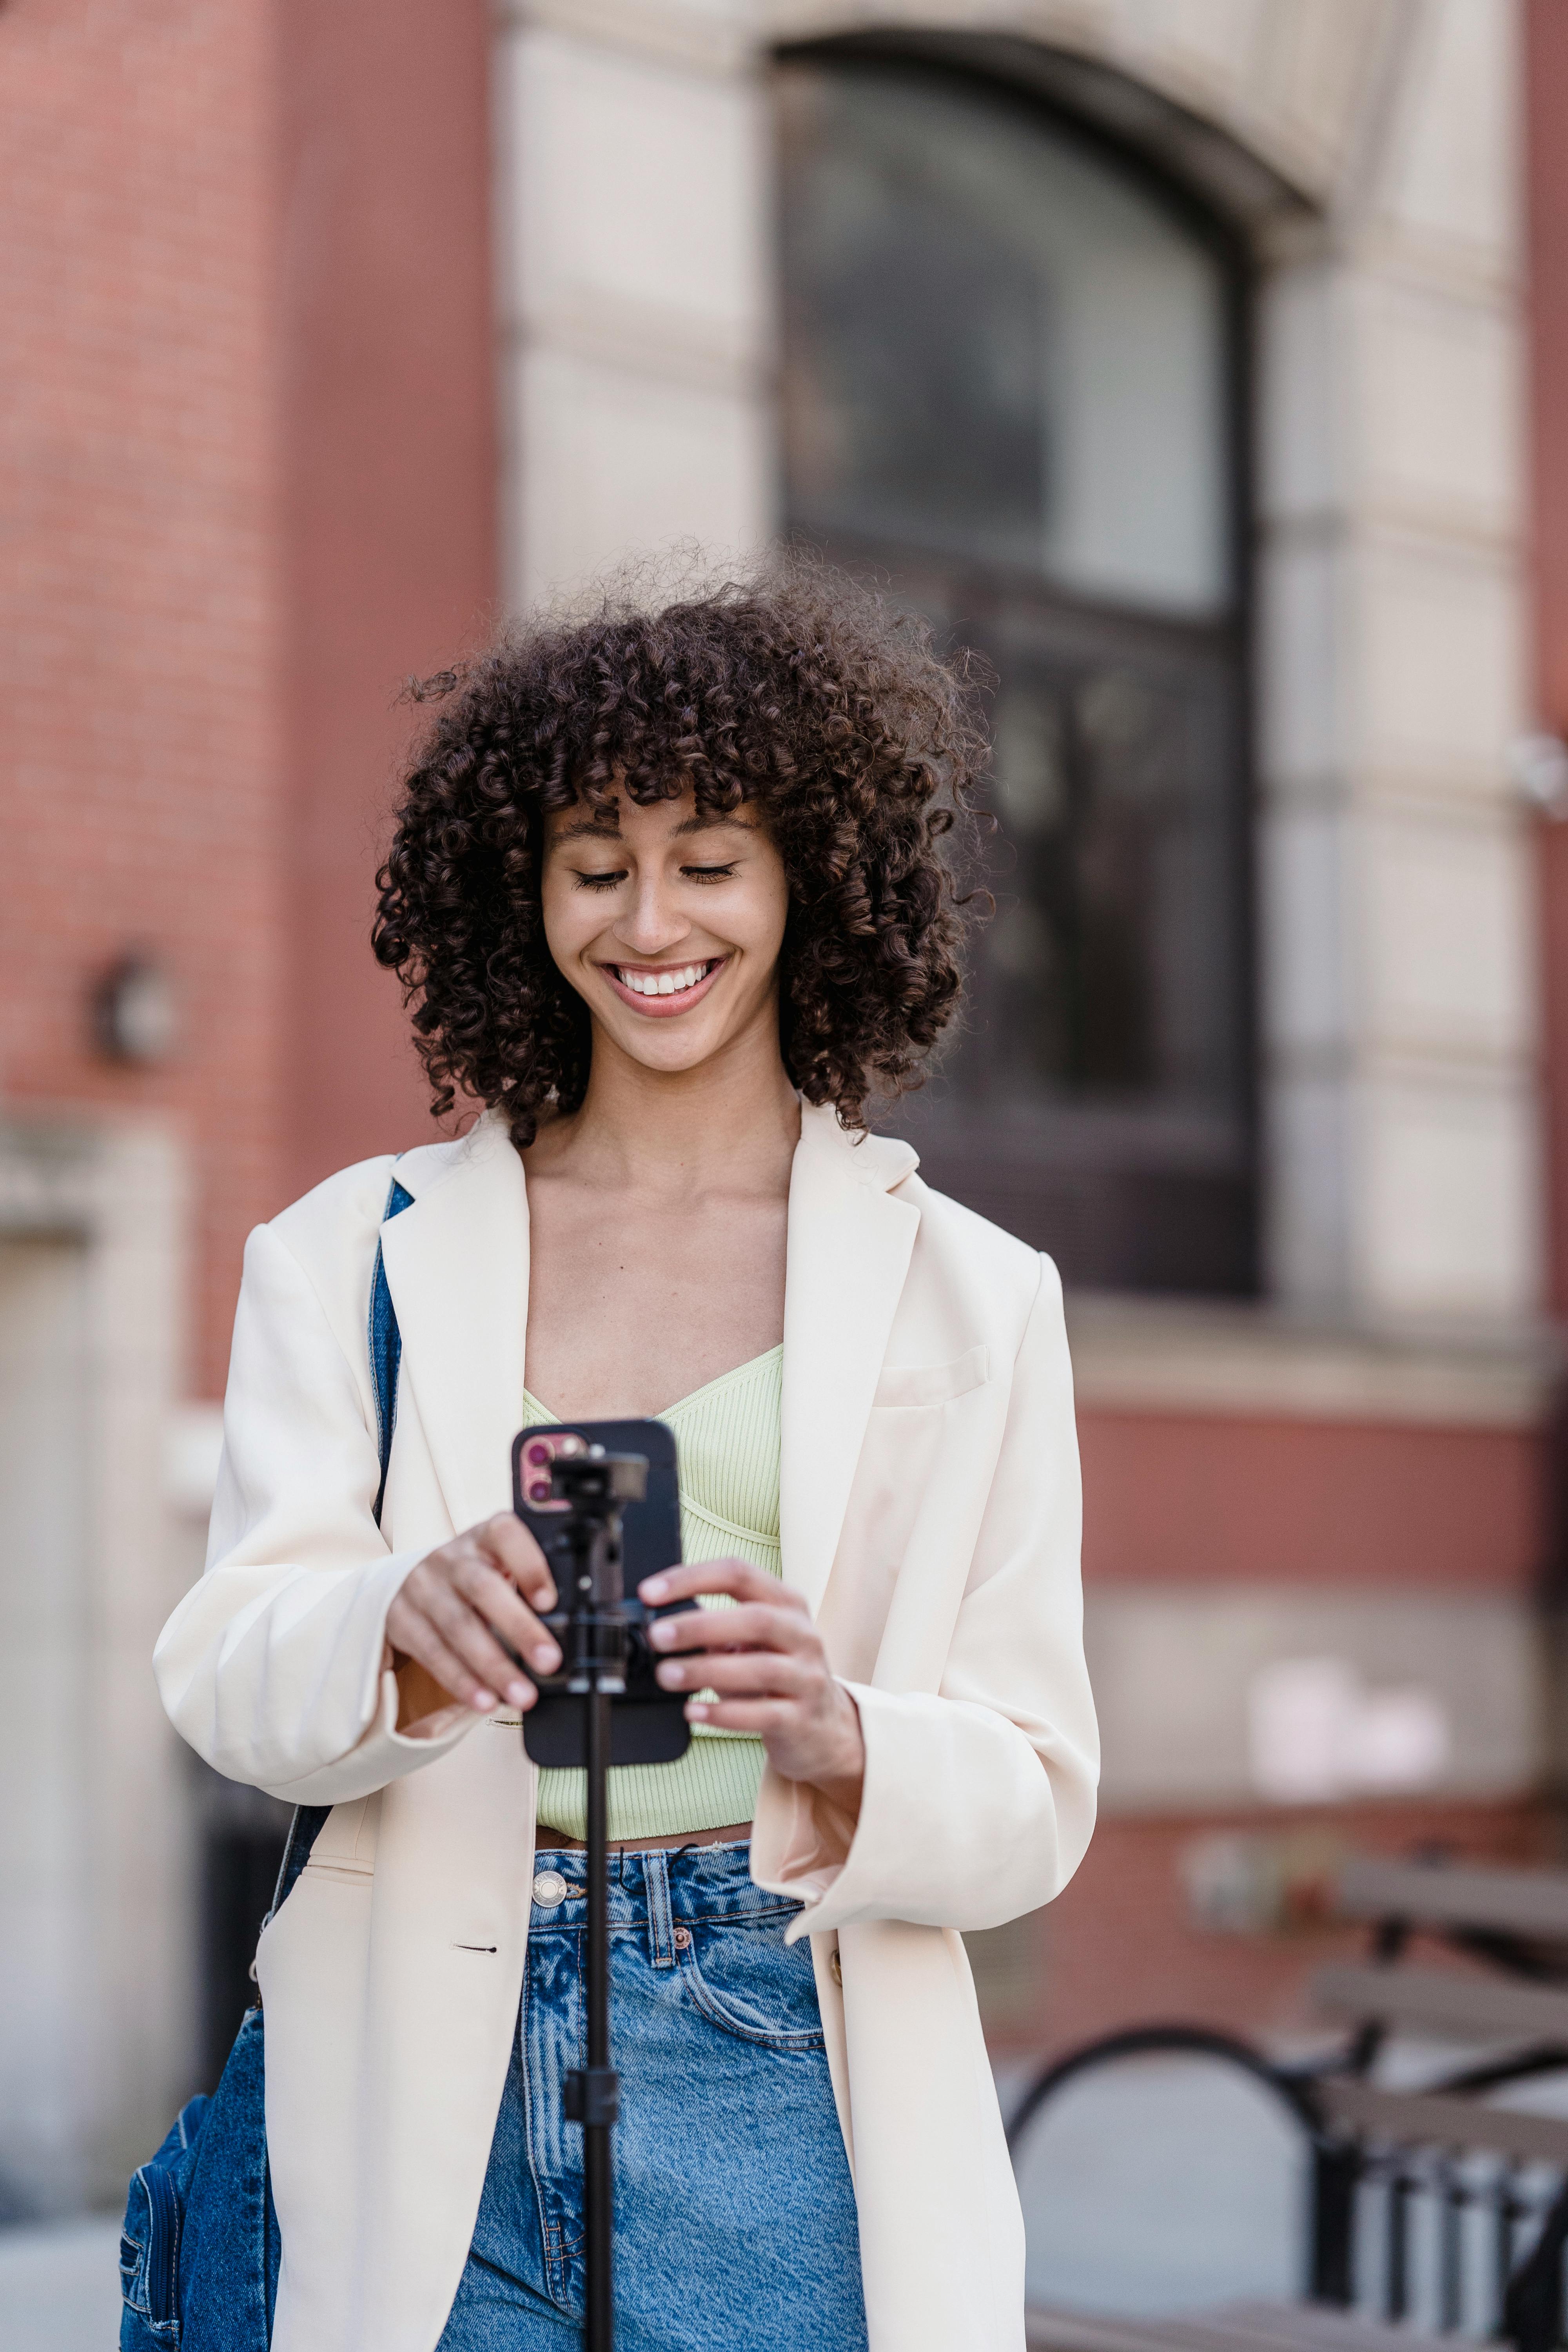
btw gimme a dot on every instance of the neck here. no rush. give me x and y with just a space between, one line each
731 1124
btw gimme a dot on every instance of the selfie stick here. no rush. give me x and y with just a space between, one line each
597 1485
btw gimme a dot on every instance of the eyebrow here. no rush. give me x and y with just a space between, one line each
586 828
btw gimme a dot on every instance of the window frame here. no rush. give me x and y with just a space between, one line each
992 588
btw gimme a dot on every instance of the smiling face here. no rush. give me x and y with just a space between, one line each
667 923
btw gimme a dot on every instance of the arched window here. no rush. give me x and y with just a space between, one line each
1010 384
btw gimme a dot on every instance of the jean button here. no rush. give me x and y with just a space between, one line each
548 1888
682 1938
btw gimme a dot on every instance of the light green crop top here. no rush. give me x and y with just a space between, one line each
727 1454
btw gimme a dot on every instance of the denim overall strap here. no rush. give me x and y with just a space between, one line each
385 1347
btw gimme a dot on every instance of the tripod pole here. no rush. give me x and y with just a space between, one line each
595 1486
601 2088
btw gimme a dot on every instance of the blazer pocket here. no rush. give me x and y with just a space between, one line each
342 1873
905 1384
346 1845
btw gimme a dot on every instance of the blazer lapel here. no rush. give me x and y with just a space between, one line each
849 1252
456 1266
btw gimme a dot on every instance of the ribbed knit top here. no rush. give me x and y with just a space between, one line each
727 1458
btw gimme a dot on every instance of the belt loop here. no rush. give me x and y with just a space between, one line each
656 1878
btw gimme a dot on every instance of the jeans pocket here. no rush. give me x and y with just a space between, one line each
149 2261
747 1982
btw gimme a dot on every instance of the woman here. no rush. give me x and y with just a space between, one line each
668 894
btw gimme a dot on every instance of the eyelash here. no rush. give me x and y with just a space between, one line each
701 874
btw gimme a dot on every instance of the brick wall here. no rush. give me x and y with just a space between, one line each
139 609
247 484
390 485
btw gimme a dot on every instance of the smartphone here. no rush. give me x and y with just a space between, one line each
647 1725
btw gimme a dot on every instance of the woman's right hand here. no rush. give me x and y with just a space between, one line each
457 1606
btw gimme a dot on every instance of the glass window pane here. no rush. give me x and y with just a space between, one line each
997 346
1104 975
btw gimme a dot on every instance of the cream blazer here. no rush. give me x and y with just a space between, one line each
929 1513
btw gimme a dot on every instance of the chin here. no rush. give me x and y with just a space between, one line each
666 1054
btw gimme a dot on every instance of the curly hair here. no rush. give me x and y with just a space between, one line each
796 690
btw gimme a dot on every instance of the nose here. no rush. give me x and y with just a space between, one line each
651 923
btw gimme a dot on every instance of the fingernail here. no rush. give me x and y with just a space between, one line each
654 1587
547 1657
662 1634
517 1691
669 1675
695 1712
483 1701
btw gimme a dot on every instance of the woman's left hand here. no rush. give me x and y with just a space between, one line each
765 1660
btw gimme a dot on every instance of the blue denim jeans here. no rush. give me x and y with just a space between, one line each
734 2212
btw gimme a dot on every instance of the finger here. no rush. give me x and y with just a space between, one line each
761 1625
510 1545
495 1597
465 1630
738 1578
746 1673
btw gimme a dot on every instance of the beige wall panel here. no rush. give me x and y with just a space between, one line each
1302 865
1439 408
618 466
1449 1175
1212 49
1300 427
1450 166
1447 936
1302 623
98 1947
1440 658
1308 1208
637 195
48 2039
142 1560
1318 73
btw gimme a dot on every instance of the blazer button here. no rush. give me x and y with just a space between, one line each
548 1888
837 1964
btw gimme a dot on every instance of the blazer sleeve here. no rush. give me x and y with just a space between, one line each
979 1797
275 1667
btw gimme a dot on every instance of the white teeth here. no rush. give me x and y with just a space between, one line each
663 983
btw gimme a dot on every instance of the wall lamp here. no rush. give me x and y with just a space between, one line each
1537 770
134 1018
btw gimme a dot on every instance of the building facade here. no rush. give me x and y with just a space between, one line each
1196 363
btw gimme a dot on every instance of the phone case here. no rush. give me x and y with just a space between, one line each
647 1725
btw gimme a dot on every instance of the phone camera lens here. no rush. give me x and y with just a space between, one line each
539 1453
539 1490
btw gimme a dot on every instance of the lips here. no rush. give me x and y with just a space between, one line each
663 989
